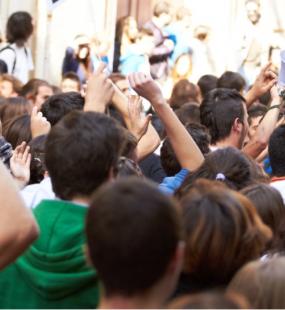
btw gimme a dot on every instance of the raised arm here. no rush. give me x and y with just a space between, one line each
99 91
186 150
18 228
150 140
266 127
263 83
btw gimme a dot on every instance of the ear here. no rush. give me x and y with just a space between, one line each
176 263
112 175
237 126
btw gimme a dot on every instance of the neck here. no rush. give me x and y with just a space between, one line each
228 142
136 302
81 200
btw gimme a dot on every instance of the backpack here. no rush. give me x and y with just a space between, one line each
9 47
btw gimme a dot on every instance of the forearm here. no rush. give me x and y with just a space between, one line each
148 143
250 97
17 226
150 140
260 140
186 150
269 121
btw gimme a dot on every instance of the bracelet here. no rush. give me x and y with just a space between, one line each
276 106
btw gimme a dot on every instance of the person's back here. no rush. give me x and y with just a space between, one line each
16 55
81 151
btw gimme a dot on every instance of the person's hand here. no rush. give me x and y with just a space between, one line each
138 121
264 81
146 87
20 164
99 91
39 124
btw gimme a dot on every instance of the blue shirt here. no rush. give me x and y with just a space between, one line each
170 184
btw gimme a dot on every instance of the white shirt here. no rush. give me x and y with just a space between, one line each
35 193
24 61
280 186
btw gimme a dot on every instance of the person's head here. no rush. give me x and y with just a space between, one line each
213 299
257 172
126 33
262 283
37 91
162 13
57 106
145 254
183 92
130 27
227 165
270 207
184 15
182 68
19 27
81 153
276 151
82 48
232 80
223 112
38 168
127 167
14 107
189 113
121 82
70 82
207 83
201 32
253 11
168 158
9 86
255 115
18 130
129 145
222 232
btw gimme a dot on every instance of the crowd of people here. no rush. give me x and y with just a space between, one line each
115 196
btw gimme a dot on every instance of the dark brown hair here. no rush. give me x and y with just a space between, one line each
228 165
269 205
19 27
14 107
16 84
183 92
133 231
262 283
222 232
18 130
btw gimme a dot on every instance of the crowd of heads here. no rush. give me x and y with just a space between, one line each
215 239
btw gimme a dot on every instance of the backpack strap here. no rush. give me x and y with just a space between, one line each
9 47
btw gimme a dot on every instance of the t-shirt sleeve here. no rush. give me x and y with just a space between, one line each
8 56
170 184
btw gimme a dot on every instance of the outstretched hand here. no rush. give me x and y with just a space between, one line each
99 91
264 81
138 123
20 164
146 87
